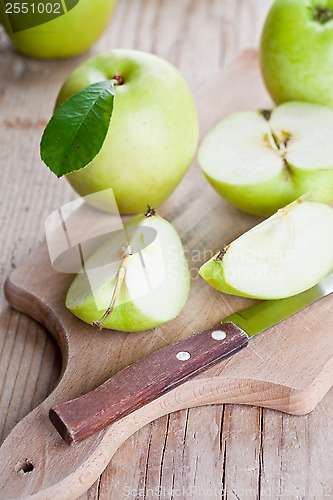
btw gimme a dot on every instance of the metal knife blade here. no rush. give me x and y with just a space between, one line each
259 317
151 377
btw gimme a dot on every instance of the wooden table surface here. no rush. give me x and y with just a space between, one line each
219 451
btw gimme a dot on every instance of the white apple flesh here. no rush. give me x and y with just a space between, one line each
144 279
262 161
283 256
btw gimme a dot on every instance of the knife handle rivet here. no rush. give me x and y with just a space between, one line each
183 356
218 335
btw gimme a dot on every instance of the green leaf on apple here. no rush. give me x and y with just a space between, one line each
77 130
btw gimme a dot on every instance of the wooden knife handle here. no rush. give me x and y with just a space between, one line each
144 381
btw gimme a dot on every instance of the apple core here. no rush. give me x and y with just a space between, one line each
261 161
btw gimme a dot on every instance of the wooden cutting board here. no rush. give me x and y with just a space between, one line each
288 368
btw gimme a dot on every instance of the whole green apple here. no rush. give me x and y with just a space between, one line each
153 133
296 51
49 29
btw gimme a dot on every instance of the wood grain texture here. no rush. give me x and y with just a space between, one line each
243 450
284 369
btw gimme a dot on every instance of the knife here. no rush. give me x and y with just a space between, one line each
151 377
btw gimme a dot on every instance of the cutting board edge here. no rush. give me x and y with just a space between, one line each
80 478
22 300
295 401
186 396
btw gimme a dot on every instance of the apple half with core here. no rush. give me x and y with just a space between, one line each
50 29
262 161
153 132
136 280
286 254
296 51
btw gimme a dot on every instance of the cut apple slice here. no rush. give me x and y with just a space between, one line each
261 161
138 279
283 256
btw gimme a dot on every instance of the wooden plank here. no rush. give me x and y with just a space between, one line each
23 207
290 381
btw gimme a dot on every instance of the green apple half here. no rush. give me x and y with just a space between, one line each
67 35
153 132
136 280
283 256
262 161
296 51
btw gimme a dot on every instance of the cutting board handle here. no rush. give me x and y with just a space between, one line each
144 381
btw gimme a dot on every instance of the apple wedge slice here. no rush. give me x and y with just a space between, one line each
136 280
283 256
261 161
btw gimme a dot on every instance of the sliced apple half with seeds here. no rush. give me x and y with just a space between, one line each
136 280
261 161
283 256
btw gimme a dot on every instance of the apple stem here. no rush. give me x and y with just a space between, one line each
118 79
150 212
119 280
323 15
221 254
266 113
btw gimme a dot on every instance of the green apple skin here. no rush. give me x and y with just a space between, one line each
153 134
262 199
296 53
212 272
68 35
265 198
131 315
